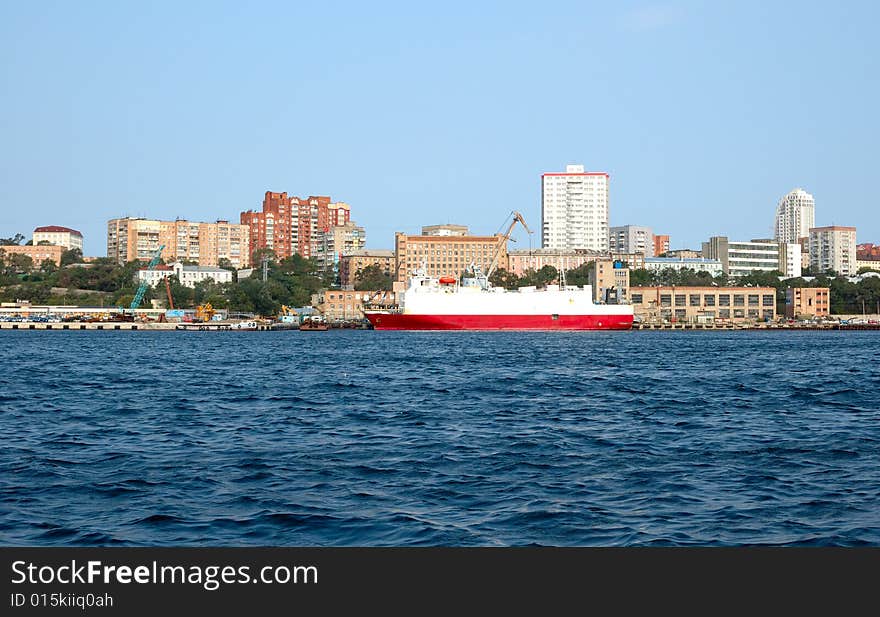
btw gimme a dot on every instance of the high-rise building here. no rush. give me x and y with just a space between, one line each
795 216
833 248
337 241
290 225
631 239
574 209
58 236
661 245
205 244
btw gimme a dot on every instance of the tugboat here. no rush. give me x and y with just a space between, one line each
314 323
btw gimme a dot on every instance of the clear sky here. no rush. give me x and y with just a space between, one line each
704 113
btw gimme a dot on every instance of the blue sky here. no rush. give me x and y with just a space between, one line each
704 113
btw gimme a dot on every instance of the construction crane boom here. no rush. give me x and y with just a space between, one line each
517 218
142 288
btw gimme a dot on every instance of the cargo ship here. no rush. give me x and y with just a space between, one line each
446 303
473 303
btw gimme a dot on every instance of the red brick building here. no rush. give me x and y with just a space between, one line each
290 225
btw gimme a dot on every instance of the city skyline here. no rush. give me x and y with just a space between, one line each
428 115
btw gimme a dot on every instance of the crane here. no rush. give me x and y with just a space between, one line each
517 218
142 288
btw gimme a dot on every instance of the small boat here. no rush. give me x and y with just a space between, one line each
315 323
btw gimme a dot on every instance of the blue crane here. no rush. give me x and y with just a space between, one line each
142 288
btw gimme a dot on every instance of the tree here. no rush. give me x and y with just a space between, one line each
48 267
13 241
641 277
71 256
505 279
372 278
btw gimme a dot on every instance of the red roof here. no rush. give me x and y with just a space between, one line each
56 229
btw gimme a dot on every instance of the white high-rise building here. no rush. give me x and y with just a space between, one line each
833 248
574 209
795 216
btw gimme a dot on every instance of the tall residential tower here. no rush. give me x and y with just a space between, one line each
795 216
574 209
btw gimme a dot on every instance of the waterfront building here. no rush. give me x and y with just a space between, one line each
130 239
59 236
446 255
807 302
631 239
187 275
291 225
608 277
697 264
661 245
740 258
574 209
38 253
795 216
833 248
703 304
340 305
355 261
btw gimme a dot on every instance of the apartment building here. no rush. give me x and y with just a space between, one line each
833 248
205 244
575 209
631 239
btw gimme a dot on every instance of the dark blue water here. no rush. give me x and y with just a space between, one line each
382 438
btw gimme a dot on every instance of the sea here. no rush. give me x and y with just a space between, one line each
369 438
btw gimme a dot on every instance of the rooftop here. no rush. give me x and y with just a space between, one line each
56 229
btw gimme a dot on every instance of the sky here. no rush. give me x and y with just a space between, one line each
703 113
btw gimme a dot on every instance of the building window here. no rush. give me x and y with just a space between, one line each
695 299
724 313
739 300
636 298
753 313
680 313
767 314
724 300
680 300
665 300
739 313
753 299
709 300
768 299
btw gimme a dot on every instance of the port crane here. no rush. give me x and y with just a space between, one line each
142 288
517 218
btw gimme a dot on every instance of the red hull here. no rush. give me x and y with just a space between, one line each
398 321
